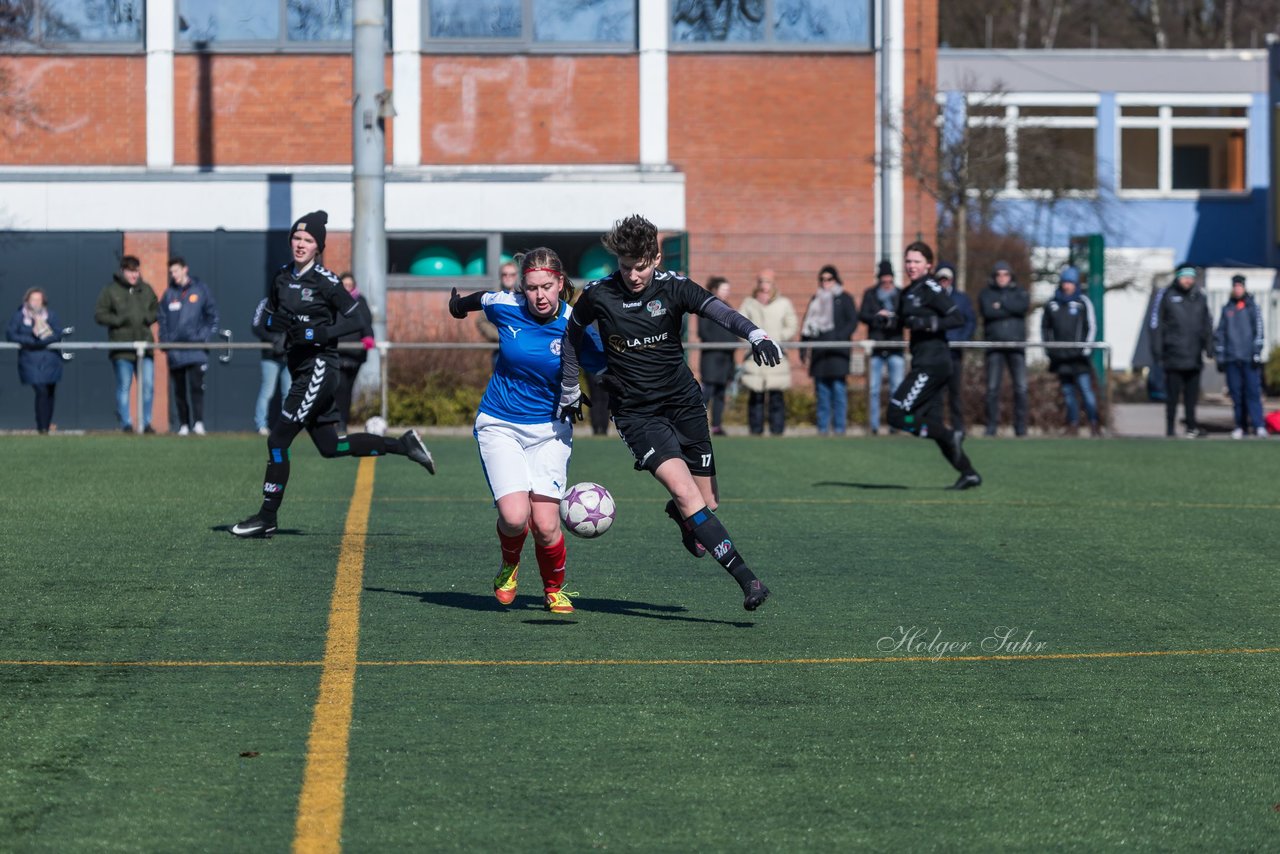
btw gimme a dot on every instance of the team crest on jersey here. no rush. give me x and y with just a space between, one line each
307 294
655 309
555 347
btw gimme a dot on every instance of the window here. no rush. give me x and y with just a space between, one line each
776 24
1193 143
519 24
63 22
1033 143
263 23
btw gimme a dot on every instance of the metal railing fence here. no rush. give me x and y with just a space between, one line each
226 349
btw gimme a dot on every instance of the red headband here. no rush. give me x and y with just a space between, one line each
543 270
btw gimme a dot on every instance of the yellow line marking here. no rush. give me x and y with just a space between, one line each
665 662
904 659
319 823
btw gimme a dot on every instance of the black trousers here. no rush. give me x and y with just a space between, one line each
955 405
342 396
713 396
187 384
44 406
777 412
1016 362
1187 384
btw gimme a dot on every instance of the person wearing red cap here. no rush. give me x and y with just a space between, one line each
310 305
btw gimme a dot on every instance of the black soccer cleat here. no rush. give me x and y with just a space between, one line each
258 525
967 481
416 450
957 448
756 593
690 542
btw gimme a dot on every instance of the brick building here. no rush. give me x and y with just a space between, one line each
203 128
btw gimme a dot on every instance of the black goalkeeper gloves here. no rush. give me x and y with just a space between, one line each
460 306
569 407
763 350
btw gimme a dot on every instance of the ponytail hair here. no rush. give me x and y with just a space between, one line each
543 258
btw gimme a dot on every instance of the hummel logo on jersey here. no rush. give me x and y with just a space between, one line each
635 304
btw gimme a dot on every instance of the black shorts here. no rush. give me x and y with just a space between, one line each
917 401
671 433
311 398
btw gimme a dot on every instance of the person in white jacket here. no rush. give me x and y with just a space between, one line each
777 316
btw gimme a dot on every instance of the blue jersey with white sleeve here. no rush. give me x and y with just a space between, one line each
525 385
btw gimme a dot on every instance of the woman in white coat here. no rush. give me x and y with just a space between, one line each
776 316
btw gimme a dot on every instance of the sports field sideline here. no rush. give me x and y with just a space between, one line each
1083 653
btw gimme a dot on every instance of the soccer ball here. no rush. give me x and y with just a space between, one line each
587 509
377 425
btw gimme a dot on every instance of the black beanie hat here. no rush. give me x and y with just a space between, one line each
313 224
884 269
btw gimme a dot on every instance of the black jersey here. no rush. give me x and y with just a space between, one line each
315 298
925 298
641 335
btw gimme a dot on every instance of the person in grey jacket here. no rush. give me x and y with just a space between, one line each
1237 348
188 315
1181 331
1004 308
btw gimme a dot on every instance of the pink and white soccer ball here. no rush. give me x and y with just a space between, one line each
587 509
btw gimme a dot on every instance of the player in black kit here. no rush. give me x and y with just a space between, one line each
916 404
314 310
655 401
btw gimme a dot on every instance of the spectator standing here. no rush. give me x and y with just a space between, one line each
1069 317
188 315
1004 306
714 366
831 316
508 278
34 327
351 360
127 307
1181 332
777 317
881 311
1237 347
275 373
945 277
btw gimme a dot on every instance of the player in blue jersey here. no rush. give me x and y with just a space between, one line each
524 449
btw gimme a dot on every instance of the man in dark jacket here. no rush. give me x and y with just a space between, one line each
945 277
1237 347
1181 332
350 360
1004 318
1069 317
128 307
881 311
188 315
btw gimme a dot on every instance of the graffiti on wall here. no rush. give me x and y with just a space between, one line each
524 103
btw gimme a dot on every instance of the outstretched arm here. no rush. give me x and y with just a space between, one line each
460 306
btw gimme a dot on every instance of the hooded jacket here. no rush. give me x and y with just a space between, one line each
880 327
188 315
777 318
1239 336
128 312
1182 329
1068 318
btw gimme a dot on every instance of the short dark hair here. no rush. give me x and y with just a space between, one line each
179 260
715 282
633 237
130 262
830 269
346 274
923 248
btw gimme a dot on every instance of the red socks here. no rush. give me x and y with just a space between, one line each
512 546
551 565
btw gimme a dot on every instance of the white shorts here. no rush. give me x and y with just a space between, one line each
524 457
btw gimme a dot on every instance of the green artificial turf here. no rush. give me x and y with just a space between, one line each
829 737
